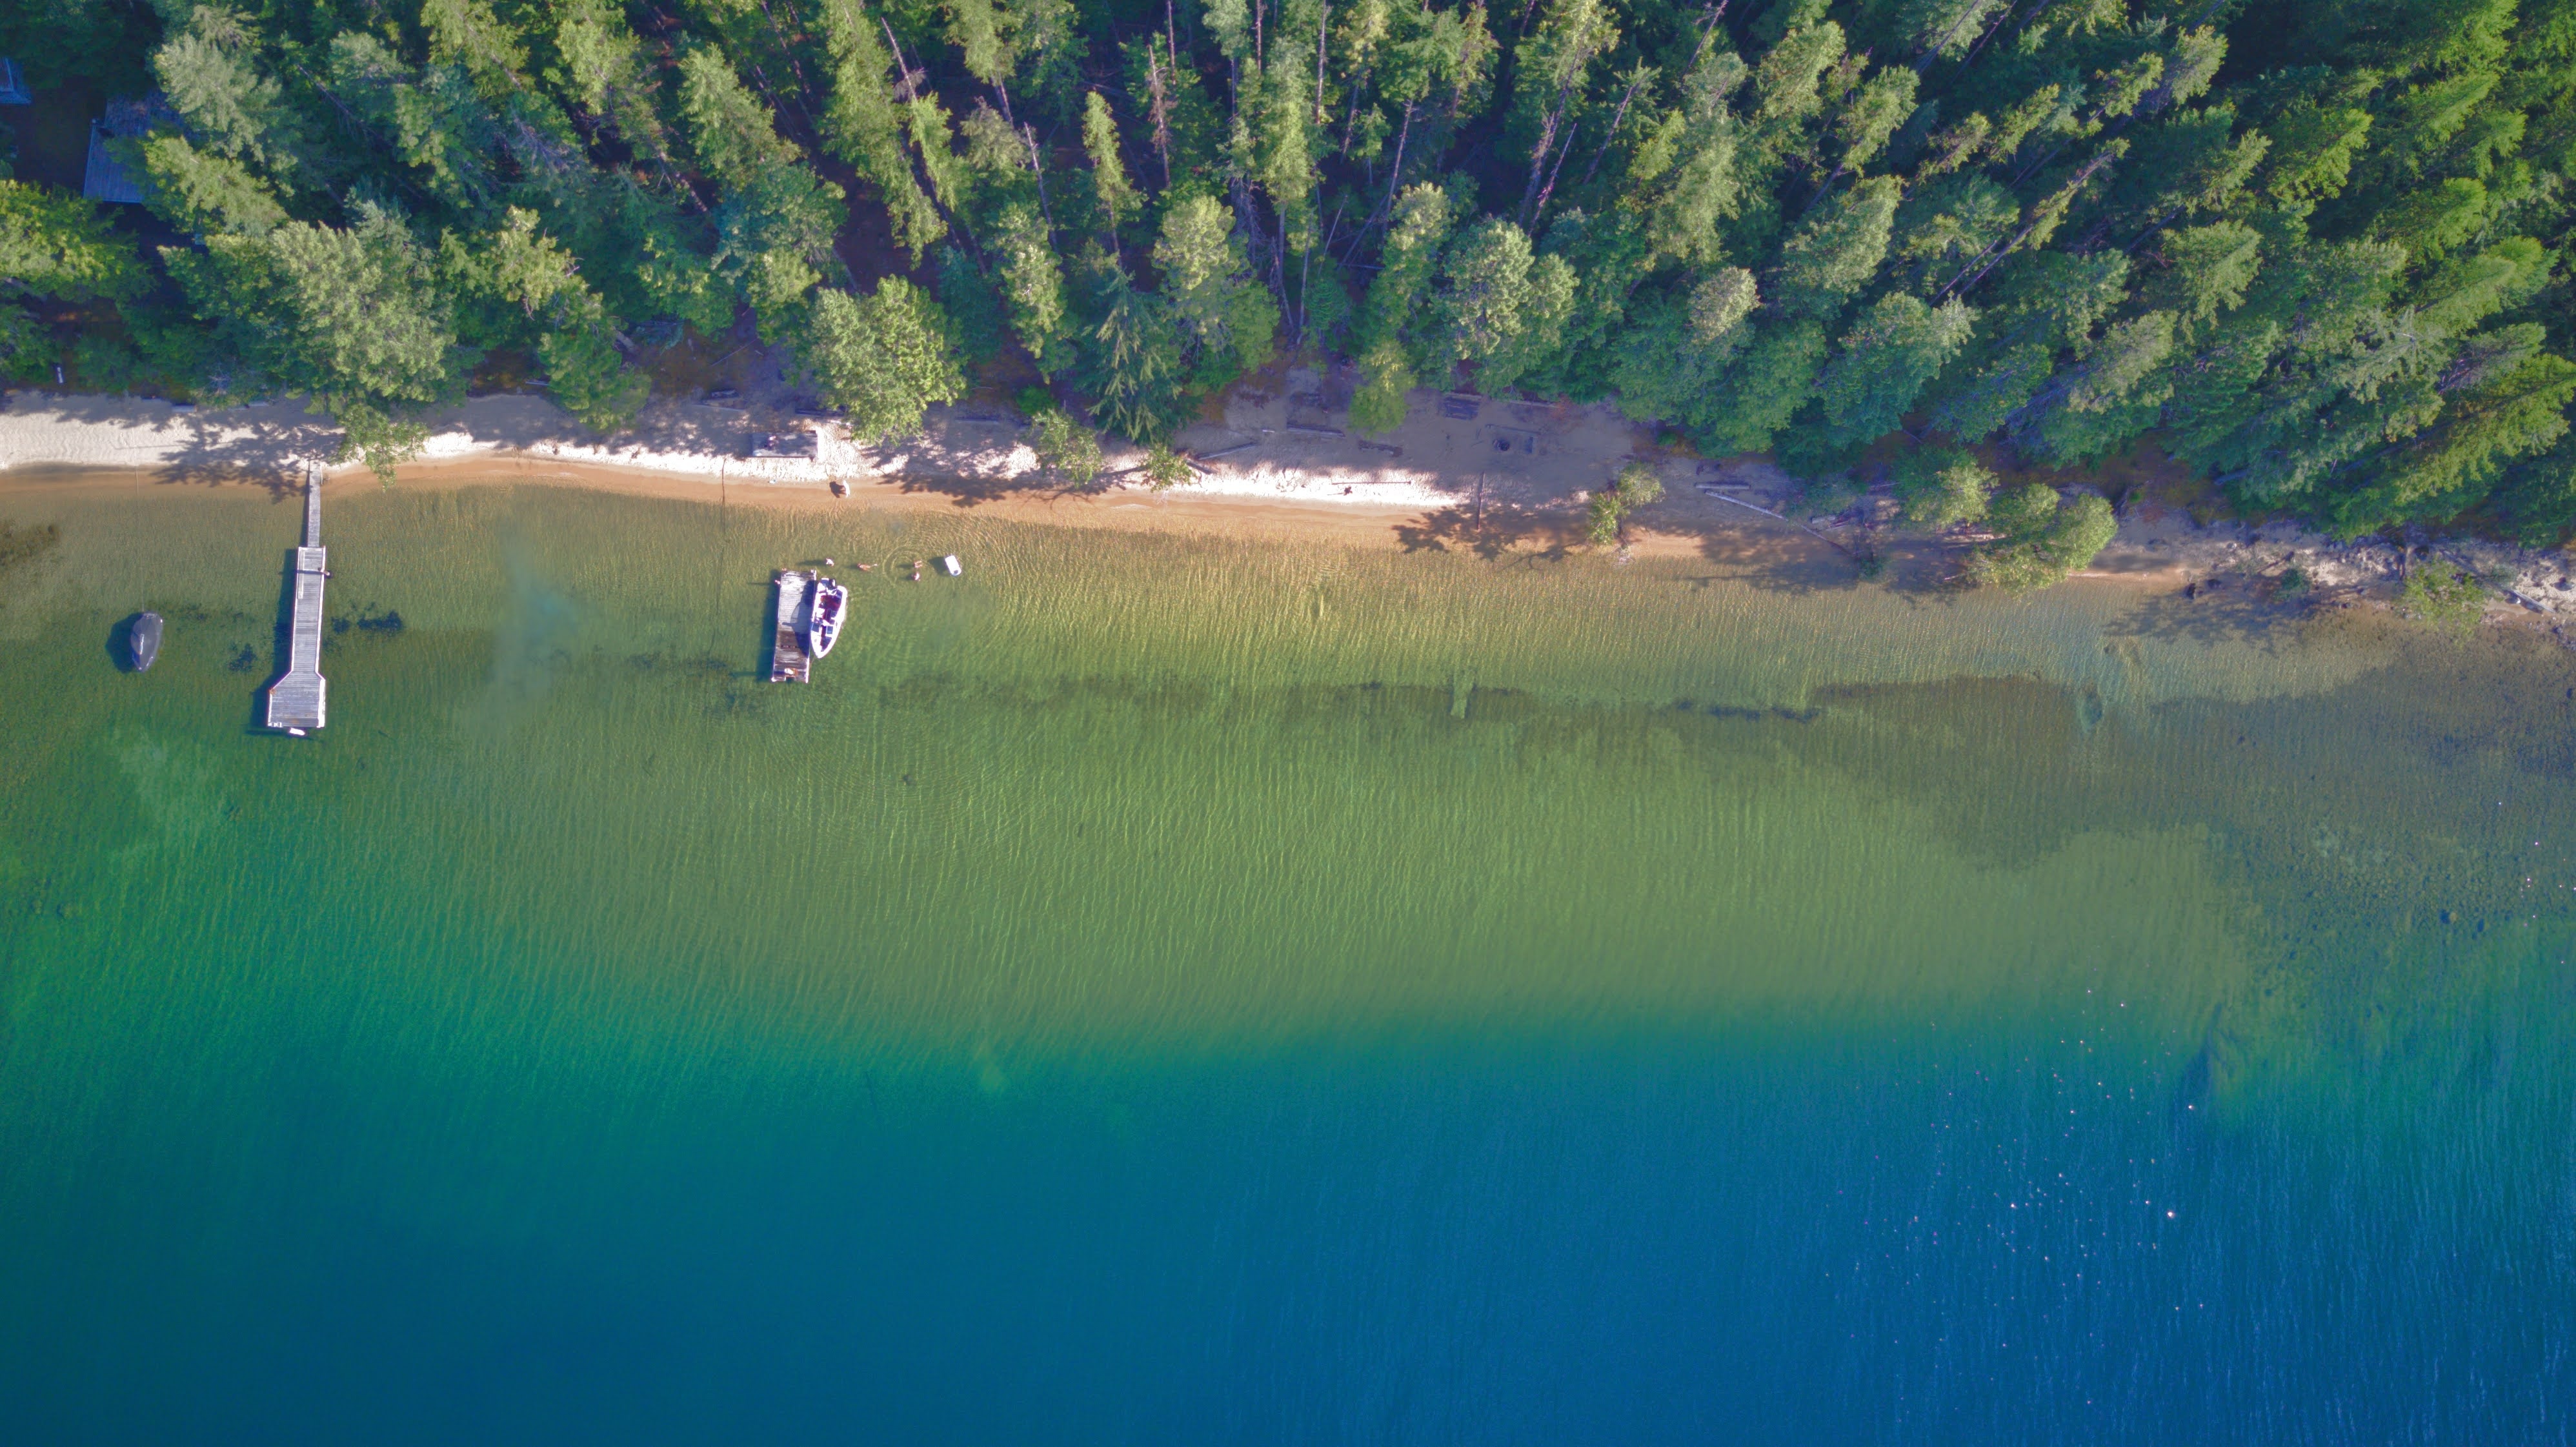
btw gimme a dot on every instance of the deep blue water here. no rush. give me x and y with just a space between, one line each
1896 1238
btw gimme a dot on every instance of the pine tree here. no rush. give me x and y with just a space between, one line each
865 124
53 248
1895 350
210 74
2305 250
1945 29
1834 253
775 228
1682 176
1942 487
2043 537
1772 380
60 247
2206 270
1110 189
1406 266
1862 128
1228 320
1675 352
1138 367
884 357
516 287
1498 307
1033 287
1553 62
200 192
353 318
601 67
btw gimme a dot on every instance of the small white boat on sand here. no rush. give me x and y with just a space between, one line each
830 603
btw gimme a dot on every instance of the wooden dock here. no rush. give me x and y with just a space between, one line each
295 701
788 661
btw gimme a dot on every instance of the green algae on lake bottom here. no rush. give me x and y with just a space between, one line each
1136 797
1143 783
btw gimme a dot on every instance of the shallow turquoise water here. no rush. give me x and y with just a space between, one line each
1170 990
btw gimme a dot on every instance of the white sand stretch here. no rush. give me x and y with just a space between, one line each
1454 457
1271 447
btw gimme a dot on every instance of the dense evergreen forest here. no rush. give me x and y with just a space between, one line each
2312 251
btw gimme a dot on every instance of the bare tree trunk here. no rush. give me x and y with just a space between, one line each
1546 139
1824 190
1550 188
1306 273
1993 257
903 87
1932 52
1037 168
1992 31
1618 118
1708 31
1241 191
1394 178
1279 256
1162 109
906 89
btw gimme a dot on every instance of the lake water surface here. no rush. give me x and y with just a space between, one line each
1168 989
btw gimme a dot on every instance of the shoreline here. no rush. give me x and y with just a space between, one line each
1510 482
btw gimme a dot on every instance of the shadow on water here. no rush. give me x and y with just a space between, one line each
281 647
768 634
120 643
2214 611
1798 564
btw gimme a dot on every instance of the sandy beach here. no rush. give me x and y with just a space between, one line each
1468 473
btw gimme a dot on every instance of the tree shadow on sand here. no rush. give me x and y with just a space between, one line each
1492 533
263 445
971 490
265 451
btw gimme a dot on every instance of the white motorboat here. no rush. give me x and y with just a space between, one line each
830 604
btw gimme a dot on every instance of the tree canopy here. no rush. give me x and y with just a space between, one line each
885 357
2316 255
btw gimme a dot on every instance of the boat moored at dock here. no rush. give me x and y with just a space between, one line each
824 613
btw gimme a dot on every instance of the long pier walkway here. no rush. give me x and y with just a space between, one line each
295 700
